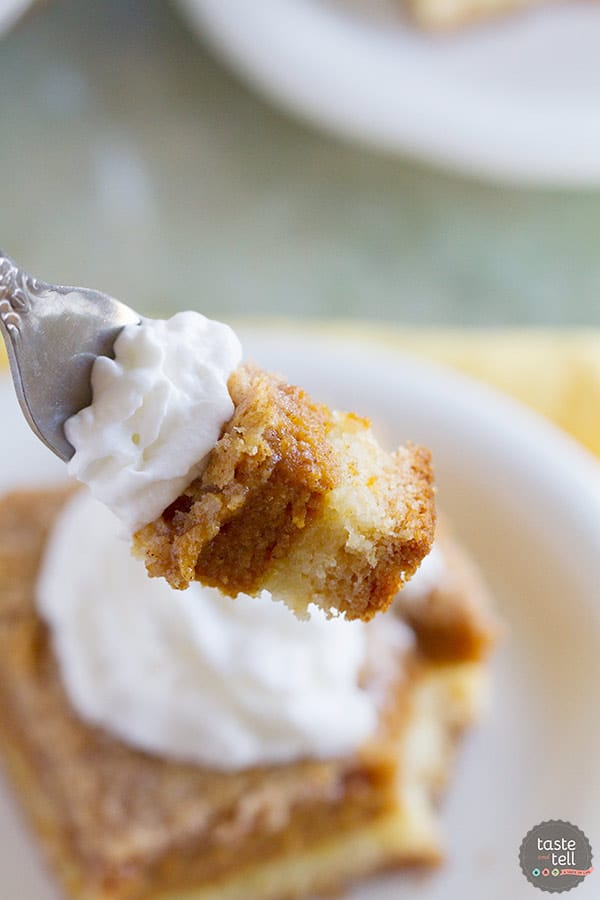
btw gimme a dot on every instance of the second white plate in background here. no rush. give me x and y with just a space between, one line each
515 99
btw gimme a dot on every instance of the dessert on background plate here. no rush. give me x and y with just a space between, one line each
437 15
449 14
160 750
227 475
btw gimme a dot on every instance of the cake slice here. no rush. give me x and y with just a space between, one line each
119 824
299 500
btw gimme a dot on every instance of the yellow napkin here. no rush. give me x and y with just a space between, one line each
555 373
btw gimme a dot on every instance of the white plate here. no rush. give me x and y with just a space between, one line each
11 11
527 501
517 99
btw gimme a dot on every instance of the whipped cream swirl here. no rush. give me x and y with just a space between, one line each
192 675
157 411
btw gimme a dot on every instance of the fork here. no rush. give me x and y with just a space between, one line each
53 334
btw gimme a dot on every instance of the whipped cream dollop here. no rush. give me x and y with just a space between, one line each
193 675
157 411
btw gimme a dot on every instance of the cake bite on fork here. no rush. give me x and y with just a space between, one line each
301 501
221 472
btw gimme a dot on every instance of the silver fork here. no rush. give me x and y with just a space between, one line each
53 334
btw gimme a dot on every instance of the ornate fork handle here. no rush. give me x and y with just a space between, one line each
18 291
53 334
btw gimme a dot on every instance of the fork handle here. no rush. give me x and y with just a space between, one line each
18 292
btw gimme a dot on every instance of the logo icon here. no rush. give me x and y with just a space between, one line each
555 856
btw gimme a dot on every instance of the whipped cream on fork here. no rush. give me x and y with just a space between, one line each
157 411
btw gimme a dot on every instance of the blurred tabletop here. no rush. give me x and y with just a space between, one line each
134 162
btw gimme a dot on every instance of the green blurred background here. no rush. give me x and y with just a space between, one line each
132 161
